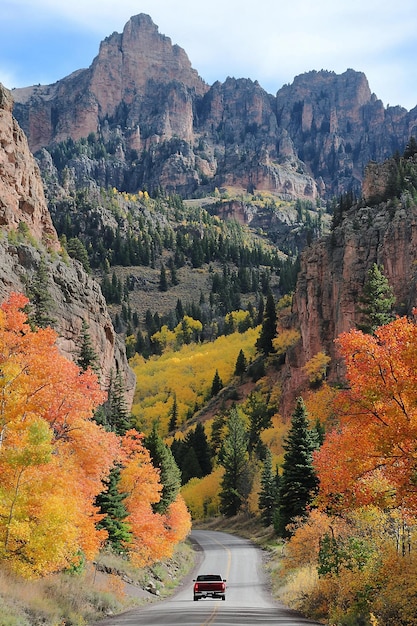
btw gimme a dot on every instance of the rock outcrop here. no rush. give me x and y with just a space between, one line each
165 127
75 294
133 71
334 271
22 199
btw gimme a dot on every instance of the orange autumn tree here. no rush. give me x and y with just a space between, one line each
53 456
154 535
372 456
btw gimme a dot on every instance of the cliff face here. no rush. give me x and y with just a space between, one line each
334 271
337 126
76 296
170 129
21 191
133 71
167 128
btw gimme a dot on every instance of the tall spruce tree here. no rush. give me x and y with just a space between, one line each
234 458
298 482
269 326
87 356
120 418
114 416
41 303
201 446
111 503
163 282
170 474
192 454
190 466
216 385
241 364
173 421
377 301
259 413
268 492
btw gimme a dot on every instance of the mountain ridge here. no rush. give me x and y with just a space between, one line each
312 139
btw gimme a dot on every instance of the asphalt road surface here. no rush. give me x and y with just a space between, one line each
248 601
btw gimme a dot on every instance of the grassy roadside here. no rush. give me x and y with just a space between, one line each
106 588
112 585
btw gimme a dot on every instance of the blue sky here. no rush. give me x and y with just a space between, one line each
271 41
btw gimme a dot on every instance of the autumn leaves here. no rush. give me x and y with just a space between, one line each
54 457
357 545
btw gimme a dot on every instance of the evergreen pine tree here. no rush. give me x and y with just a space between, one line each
41 302
269 326
111 503
200 444
259 415
241 364
113 415
217 430
173 270
179 310
140 342
174 415
177 449
170 474
216 385
377 301
261 309
298 482
190 467
411 148
234 458
163 283
77 250
120 418
267 494
87 356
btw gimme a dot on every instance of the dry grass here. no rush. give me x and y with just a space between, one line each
63 599
191 283
79 600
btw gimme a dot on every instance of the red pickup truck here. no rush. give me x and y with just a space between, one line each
209 585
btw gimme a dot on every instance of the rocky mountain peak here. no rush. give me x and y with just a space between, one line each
114 89
127 61
164 127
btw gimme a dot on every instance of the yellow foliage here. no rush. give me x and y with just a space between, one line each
285 302
374 574
48 441
187 330
186 373
253 498
319 404
316 367
273 437
303 547
164 338
285 340
396 601
201 495
238 319
300 584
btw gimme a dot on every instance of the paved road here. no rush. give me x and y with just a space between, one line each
247 599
